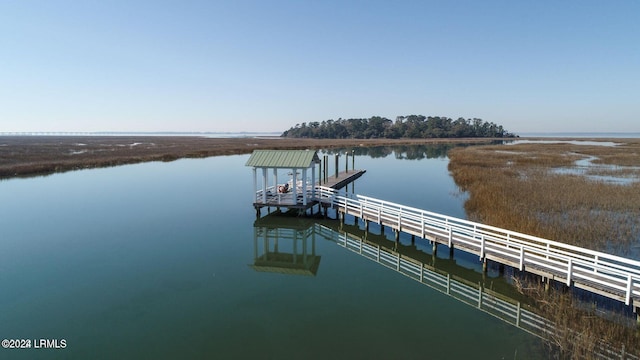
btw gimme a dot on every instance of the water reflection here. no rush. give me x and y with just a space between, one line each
489 292
401 152
285 248
286 245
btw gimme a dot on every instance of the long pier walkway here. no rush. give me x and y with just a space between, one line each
611 276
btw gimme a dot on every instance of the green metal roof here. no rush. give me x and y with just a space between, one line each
283 158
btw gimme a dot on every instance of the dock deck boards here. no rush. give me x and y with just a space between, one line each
344 178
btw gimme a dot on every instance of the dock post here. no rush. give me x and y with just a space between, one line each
257 212
366 226
326 170
397 235
337 155
451 251
381 229
413 239
346 162
484 265
435 248
353 159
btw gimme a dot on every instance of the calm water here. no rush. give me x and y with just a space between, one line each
155 261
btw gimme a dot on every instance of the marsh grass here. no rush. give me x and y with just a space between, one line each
515 187
580 332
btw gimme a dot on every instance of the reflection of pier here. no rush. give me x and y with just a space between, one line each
493 296
495 304
600 273
286 249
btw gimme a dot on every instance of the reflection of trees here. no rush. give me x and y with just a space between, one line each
405 152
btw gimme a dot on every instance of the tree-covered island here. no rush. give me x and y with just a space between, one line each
411 126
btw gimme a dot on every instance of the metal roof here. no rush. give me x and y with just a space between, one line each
283 158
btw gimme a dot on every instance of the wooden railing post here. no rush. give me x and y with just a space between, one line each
627 300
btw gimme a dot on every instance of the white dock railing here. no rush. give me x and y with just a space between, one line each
609 275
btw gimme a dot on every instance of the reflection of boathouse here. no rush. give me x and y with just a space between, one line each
289 249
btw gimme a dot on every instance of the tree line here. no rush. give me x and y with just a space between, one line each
411 126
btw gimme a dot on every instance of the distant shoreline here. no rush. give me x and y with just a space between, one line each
24 156
211 134
275 134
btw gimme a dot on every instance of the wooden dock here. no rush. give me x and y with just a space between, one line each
343 179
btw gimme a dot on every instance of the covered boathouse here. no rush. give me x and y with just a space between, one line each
284 178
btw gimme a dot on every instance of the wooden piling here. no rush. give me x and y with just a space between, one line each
434 248
346 162
353 159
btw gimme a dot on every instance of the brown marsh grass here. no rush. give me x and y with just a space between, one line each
517 187
579 333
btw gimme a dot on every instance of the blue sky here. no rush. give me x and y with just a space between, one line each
531 66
